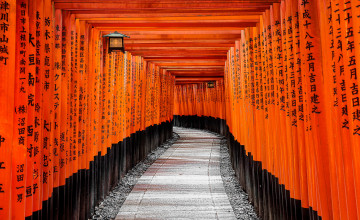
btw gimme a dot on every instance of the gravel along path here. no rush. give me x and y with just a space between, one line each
237 196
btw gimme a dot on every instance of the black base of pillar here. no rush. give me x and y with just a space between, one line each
88 187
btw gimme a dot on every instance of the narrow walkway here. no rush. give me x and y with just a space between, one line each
185 182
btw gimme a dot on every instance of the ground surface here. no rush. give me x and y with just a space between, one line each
192 179
109 208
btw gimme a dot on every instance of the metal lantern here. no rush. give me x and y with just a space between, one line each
116 41
211 84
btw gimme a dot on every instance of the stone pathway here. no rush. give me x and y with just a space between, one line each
184 183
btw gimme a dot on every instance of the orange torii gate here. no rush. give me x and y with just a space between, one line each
74 117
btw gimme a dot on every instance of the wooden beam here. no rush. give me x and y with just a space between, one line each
164 19
158 5
193 58
189 39
155 13
177 25
182 32
197 79
197 72
166 1
179 36
195 68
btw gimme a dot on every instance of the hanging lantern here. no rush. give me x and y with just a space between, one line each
211 84
116 41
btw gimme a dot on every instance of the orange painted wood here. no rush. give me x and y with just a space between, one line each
31 111
19 145
7 98
298 116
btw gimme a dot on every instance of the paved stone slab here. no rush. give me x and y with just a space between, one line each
184 183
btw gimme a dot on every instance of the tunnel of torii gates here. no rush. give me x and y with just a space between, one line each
75 118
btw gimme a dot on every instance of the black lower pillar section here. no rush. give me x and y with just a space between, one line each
270 199
88 187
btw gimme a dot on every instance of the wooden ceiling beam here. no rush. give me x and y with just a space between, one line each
171 32
179 19
158 13
190 57
197 79
193 58
158 5
128 41
146 54
195 68
188 83
199 75
190 61
178 45
175 25
183 48
179 36
198 71
189 39
149 54
170 67
167 1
